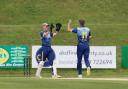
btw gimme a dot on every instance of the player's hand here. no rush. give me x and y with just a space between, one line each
51 27
54 34
58 27
45 33
69 26
70 21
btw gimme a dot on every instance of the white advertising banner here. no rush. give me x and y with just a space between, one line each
100 56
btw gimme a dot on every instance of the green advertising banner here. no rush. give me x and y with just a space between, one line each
124 56
12 56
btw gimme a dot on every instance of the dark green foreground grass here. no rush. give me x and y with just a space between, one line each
68 73
33 83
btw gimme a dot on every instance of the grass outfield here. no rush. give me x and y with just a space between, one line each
102 34
38 11
20 22
33 83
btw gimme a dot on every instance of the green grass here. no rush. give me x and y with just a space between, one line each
110 34
37 11
32 83
20 22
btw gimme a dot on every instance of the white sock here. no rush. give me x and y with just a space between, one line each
39 68
54 70
54 67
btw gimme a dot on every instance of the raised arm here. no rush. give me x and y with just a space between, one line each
69 26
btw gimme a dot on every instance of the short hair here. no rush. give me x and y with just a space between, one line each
45 24
82 22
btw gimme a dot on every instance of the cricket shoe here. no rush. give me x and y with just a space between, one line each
38 76
56 76
88 71
80 76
